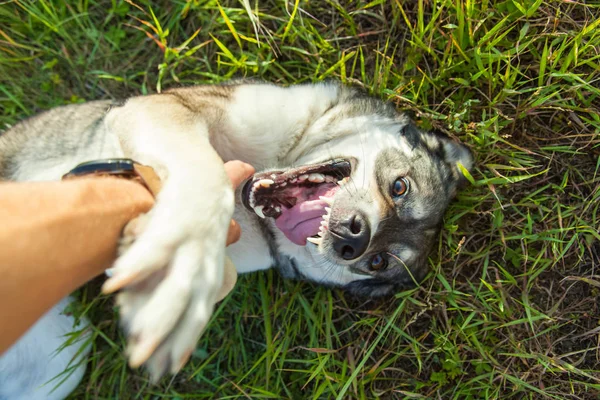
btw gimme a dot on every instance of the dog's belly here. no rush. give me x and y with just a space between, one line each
46 146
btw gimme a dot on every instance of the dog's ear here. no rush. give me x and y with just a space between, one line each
456 153
452 152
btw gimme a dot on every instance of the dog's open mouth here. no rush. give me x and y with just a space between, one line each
298 199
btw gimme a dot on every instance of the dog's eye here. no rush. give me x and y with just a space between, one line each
400 187
378 262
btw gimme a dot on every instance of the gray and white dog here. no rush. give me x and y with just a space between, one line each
348 193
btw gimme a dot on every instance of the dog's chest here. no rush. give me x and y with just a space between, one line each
252 252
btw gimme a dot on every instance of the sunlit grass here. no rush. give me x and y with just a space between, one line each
510 309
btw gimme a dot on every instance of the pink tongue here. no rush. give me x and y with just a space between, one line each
304 219
301 221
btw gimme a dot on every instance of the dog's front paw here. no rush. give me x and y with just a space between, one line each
169 279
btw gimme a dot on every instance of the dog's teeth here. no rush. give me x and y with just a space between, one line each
324 223
278 209
265 182
259 211
329 178
302 177
316 241
316 178
321 231
326 200
282 184
294 180
327 210
346 179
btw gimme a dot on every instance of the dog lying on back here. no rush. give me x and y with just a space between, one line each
348 193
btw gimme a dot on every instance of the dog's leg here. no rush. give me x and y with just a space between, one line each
33 368
171 275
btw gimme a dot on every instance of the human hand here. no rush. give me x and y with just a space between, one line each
237 171
172 348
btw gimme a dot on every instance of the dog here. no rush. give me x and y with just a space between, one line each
348 193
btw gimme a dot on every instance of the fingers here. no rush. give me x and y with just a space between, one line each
234 233
238 171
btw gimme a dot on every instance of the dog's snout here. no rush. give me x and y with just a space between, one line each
351 236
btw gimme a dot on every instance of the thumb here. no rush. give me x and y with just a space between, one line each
238 171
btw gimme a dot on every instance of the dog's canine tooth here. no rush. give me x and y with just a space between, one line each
341 182
265 182
326 200
259 211
313 240
316 178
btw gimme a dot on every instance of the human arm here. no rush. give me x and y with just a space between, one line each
55 236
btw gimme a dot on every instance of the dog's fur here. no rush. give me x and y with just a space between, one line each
186 134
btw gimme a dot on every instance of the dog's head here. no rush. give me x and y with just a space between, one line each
366 201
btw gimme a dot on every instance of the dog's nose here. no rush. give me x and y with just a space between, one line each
351 236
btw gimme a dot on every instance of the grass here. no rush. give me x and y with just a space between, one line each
511 307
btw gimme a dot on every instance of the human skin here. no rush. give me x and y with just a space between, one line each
56 236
